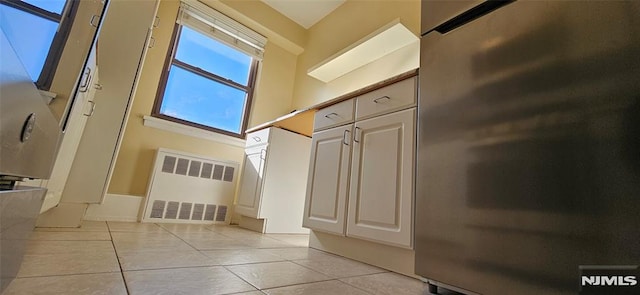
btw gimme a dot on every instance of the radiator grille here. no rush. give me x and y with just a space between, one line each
222 213
182 166
172 210
185 211
206 170
217 172
210 213
198 212
188 211
188 188
192 168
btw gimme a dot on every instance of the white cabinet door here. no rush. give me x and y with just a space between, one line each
381 186
328 178
251 181
120 60
82 108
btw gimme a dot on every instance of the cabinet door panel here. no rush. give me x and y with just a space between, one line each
251 182
328 178
381 186
120 58
80 111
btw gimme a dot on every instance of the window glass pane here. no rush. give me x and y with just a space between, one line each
29 35
197 99
55 6
212 56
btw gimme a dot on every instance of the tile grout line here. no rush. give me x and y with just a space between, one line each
363 290
115 250
200 251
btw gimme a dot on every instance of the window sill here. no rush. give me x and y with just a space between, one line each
191 131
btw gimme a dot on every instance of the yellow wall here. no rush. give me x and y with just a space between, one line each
272 98
347 24
282 85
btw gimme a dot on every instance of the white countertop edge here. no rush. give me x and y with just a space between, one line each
192 131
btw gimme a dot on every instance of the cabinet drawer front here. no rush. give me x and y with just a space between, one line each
390 98
258 137
337 114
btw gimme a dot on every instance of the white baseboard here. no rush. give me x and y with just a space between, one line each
115 208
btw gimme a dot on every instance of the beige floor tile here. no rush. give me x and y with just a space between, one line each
242 256
176 227
296 240
70 236
163 259
387 284
129 245
320 288
276 274
191 281
300 253
216 244
97 284
250 293
68 263
116 226
86 226
201 235
236 232
338 267
143 236
51 247
265 242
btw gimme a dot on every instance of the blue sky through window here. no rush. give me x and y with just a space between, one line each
30 36
55 6
193 98
212 56
199 98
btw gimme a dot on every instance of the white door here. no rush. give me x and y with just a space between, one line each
325 205
381 186
251 182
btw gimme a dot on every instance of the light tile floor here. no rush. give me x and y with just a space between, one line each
133 258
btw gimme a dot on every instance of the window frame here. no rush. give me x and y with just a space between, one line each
164 78
65 22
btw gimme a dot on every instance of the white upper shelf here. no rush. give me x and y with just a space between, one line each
383 41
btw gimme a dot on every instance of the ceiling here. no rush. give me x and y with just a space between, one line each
304 12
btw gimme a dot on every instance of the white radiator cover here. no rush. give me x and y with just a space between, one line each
188 188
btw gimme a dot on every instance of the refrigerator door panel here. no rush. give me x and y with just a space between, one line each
436 12
29 133
528 162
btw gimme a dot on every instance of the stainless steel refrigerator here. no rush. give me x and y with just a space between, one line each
29 136
528 144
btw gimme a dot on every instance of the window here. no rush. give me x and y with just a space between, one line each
210 73
36 30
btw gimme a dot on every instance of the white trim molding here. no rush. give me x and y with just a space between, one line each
115 208
192 131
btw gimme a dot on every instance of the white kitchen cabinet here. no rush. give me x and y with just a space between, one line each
381 184
273 183
120 57
327 186
251 184
82 108
361 177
